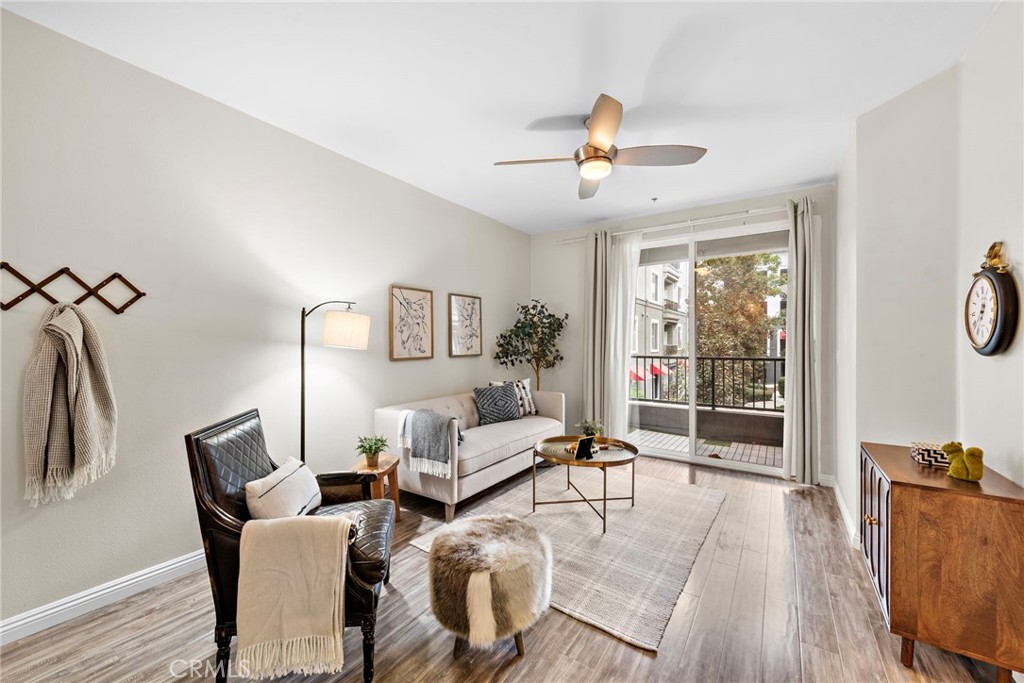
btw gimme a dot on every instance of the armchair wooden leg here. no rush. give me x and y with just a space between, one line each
223 638
368 626
449 513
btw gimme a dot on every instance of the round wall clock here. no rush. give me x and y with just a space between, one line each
990 311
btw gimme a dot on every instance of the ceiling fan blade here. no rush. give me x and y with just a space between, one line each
604 122
659 155
588 188
548 160
558 123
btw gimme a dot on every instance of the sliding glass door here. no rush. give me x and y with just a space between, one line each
713 322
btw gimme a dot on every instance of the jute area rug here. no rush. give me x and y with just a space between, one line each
627 581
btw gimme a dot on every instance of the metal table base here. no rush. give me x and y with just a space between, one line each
603 513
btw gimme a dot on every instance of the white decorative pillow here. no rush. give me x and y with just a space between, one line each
523 394
289 491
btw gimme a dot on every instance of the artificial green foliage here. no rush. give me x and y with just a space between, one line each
372 445
532 340
780 386
590 427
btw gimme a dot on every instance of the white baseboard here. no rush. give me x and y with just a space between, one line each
852 525
42 618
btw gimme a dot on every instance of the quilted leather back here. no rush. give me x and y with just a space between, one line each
231 454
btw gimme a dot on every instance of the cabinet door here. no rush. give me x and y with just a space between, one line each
881 531
874 527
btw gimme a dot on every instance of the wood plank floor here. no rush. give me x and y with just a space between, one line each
738 451
776 594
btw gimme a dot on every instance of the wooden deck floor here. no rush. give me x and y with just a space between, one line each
757 454
777 594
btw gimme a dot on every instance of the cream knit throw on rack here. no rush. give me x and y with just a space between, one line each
291 595
70 420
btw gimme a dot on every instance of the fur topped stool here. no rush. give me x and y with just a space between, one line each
490 578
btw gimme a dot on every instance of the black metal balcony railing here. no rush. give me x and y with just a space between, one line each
670 304
722 382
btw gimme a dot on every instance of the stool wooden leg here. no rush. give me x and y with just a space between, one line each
520 648
460 645
1004 675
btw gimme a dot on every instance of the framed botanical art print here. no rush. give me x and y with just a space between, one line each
412 323
465 325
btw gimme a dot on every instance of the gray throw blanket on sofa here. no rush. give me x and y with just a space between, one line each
70 420
425 434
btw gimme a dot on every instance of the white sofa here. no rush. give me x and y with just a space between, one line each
488 454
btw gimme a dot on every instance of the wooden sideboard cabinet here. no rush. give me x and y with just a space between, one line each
946 557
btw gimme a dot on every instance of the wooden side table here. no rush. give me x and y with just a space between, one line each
387 466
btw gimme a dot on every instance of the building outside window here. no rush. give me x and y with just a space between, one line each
655 335
636 334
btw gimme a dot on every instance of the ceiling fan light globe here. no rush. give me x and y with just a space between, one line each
595 169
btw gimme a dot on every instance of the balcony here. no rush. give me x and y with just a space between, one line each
670 310
671 272
740 406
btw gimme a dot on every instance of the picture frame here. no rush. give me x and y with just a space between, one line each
465 326
411 323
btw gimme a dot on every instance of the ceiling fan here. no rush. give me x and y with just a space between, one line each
596 157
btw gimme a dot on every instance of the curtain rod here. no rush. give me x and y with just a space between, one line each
688 223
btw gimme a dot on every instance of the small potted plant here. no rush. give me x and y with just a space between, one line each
371 447
590 427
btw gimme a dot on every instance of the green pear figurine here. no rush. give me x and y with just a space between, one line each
975 467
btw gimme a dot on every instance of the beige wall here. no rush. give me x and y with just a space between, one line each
846 331
930 180
230 226
991 396
906 296
557 278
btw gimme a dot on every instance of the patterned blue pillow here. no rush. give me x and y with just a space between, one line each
497 404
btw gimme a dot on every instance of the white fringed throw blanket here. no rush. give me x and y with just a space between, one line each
291 595
70 420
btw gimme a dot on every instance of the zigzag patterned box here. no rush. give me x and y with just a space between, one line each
929 454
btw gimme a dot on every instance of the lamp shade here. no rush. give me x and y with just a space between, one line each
346 330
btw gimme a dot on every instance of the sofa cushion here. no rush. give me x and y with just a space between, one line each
288 491
497 404
523 394
485 445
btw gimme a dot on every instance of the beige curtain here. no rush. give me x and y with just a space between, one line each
595 323
609 297
801 437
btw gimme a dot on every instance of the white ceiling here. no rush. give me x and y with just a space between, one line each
435 93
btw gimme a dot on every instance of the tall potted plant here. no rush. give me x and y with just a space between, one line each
532 339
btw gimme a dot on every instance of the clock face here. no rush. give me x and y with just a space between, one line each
981 312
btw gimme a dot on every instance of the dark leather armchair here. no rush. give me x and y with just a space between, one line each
223 458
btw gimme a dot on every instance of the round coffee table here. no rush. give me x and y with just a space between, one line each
619 452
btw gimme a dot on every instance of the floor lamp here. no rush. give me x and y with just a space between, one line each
342 329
